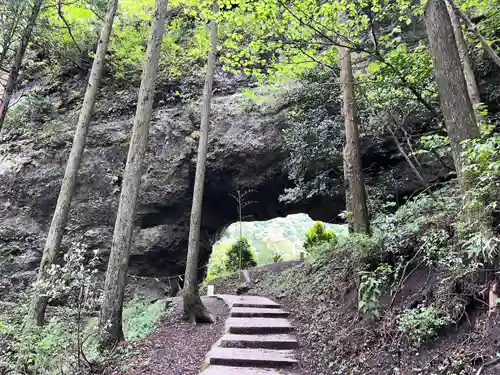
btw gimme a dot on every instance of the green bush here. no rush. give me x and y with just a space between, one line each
421 324
317 235
371 289
53 348
140 318
225 258
34 111
240 256
277 257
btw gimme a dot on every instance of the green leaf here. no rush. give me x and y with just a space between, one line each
373 67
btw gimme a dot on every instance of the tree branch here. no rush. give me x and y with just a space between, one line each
96 14
376 54
403 153
68 27
74 63
473 28
408 85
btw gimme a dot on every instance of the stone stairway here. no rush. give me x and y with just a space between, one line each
258 340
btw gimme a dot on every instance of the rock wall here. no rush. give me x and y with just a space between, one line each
245 152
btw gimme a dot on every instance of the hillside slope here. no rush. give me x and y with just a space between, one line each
405 301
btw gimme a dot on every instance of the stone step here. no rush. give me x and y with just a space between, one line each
256 326
258 312
282 341
251 357
248 301
228 370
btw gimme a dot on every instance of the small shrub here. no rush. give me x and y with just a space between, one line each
318 234
321 252
53 348
421 324
57 347
367 249
240 256
437 250
371 288
48 347
140 318
277 258
225 258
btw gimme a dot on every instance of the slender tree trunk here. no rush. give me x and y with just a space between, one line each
405 155
61 213
455 103
347 191
470 25
352 151
110 318
463 51
194 309
8 41
18 60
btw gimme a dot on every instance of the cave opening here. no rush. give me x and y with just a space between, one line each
278 239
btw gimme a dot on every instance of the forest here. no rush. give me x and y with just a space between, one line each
128 127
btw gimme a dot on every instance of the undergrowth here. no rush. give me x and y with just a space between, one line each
421 325
61 347
67 344
372 272
141 318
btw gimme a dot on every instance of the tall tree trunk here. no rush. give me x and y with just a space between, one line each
470 25
352 151
110 318
455 103
61 213
194 309
18 60
463 51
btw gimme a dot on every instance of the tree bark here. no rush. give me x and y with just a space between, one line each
463 51
194 309
61 213
352 151
489 50
110 317
455 103
347 191
18 60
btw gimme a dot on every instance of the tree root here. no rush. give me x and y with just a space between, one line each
491 363
195 311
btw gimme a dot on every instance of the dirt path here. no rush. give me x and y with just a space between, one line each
177 348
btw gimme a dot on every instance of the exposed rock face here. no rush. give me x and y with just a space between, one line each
245 152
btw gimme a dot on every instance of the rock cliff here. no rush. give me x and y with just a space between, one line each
245 152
